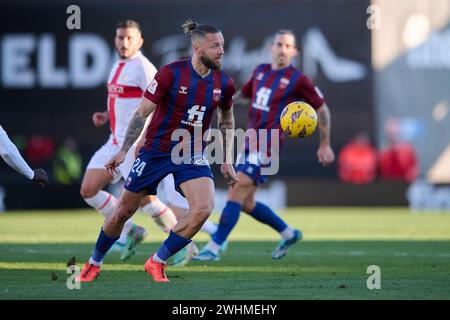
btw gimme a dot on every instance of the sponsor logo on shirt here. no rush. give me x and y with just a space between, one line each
115 89
195 118
152 86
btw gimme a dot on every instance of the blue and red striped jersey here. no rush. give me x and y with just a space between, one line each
271 90
184 100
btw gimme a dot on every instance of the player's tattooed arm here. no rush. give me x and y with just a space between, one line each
325 154
137 123
226 127
324 124
133 131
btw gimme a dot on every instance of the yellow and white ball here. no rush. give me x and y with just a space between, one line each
298 120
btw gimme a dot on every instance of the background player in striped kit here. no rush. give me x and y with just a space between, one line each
270 89
127 82
184 95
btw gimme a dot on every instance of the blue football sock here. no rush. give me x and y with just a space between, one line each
264 214
172 245
104 243
228 219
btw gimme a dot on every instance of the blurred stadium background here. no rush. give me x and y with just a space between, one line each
379 64
383 66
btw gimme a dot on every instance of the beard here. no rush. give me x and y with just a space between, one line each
209 63
123 55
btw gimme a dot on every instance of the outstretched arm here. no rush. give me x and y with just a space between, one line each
12 157
137 123
325 154
141 140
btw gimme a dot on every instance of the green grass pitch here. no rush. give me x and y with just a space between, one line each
412 251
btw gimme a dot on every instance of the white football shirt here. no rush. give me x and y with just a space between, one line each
127 82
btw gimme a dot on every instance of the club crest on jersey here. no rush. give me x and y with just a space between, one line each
284 82
183 90
260 76
216 94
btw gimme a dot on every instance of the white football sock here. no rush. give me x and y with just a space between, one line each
105 203
95 263
161 214
209 227
158 259
287 233
213 247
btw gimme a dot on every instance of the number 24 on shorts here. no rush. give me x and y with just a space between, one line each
138 167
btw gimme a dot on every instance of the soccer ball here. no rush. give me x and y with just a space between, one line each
298 119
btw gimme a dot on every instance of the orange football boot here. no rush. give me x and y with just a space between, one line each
156 270
89 273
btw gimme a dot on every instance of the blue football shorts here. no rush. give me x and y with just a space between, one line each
150 167
251 166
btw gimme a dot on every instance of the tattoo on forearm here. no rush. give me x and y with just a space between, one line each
226 126
324 124
134 130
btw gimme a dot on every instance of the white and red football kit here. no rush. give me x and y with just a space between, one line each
127 81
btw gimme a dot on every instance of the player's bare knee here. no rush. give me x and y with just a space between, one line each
87 191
